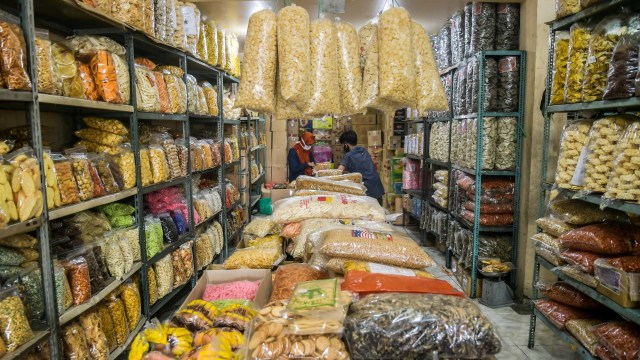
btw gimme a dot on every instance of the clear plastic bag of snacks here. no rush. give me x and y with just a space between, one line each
579 37
396 61
14 54
559 73
574 139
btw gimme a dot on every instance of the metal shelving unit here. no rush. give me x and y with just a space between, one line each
629 105
431 164
69 18
257 152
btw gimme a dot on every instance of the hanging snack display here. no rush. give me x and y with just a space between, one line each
349 71
431 95
396 60
324 93
293 55
257 89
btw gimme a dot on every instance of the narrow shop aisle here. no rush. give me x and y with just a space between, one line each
512 327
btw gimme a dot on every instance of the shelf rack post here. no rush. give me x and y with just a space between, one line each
33 117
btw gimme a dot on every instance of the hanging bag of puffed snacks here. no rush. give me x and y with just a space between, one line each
396 60
13 54
349 71
603 40
623 181
191 23
572 144
257 88
201 46
48 81
147 95
559 72
566 7
212 42
369 46
579 37
598 163
285 110
431 95
325 90
623 69
293 54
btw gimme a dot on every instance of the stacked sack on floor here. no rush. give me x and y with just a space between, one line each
602 334
496 199
345 81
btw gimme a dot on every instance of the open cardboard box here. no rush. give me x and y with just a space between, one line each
225 276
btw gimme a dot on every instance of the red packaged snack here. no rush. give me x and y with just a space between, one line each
621 339
626 263
363 282
607 238
559 314
568 295
582 259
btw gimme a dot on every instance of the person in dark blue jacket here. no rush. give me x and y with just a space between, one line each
357 159
300 158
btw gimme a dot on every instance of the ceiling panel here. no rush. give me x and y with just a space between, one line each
234 14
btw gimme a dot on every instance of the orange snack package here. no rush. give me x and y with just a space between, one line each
104 72
88 85
165 104
367 283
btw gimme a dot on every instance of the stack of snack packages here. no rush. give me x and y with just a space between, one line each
441 188
411 175
21 198
496 199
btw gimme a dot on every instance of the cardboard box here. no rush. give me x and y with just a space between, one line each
374 138
279 157
268 174
279 126
291 141
225 276
279 174
463 277
244 180
368 119
268 157
620 286
292 127
398 205
279 140
362 131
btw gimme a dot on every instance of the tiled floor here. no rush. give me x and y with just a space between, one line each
512 327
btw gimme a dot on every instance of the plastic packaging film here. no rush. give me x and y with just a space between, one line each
191 25
327 207
257 88
559 73
505 150
14 56
483 26
471 73
622 180
558 314
603 40
507 26
608 238
574 139
75 342
177 37
579 37
554 227
621 82
457 37
349 71
202 47
508 83
396 60
431 95
285 110
212 42
603 139
122 78
489 136
564 293
444 47
324 96
372 318
370 96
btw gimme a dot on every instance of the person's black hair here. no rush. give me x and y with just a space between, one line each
349 137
